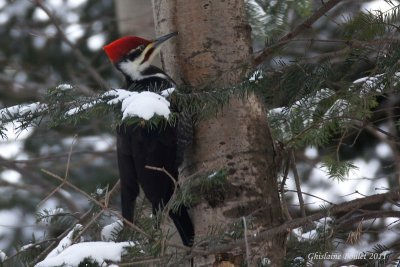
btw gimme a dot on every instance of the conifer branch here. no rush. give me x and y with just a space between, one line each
295 32
54 243
393 195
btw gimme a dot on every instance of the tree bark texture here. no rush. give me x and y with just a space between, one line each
214 48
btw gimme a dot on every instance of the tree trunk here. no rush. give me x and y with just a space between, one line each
214 47
135 17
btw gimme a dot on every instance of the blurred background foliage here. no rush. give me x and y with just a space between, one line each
35 56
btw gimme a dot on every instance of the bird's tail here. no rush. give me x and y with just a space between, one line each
183 224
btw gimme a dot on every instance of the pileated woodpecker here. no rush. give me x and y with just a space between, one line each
138 145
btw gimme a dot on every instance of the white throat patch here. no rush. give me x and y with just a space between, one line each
133 69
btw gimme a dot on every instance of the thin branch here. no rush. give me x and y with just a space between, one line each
368 216
65 177
246 241
297 181
168 206
38 181
101 205
299 29
282 190
53 157
69 156
311 195
393 195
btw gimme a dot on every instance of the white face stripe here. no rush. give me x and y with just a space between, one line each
131 68
134 70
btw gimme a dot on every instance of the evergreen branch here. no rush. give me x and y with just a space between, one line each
296 31
393 195
92 220
48 249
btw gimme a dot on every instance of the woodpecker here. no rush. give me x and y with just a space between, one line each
139 146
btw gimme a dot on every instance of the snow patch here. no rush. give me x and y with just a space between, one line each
257 75
21 110
144 105
98 251
26 247
64 86
109 231
370 83
311 152
76 110
64 244
3 256
321 226
383 150
338 109
167 92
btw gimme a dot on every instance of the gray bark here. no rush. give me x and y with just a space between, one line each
214 48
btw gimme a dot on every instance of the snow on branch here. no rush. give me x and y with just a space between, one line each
98 251
62 104
144 104
21 110
70 254
303 113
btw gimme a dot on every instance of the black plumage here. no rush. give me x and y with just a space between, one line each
139 146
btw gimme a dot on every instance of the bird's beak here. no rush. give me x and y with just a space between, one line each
162 39
154 47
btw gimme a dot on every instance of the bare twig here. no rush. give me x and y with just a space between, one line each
311 195
296 31
53 157
38 180
101 205
246 241
393 195
297 181
65 177
282 189
168 206
368 216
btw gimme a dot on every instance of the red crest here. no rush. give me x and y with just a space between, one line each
121 47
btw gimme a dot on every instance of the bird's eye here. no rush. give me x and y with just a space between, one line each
140 48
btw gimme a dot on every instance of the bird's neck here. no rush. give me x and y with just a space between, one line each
149 79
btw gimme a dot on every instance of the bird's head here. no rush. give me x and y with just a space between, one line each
132 55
